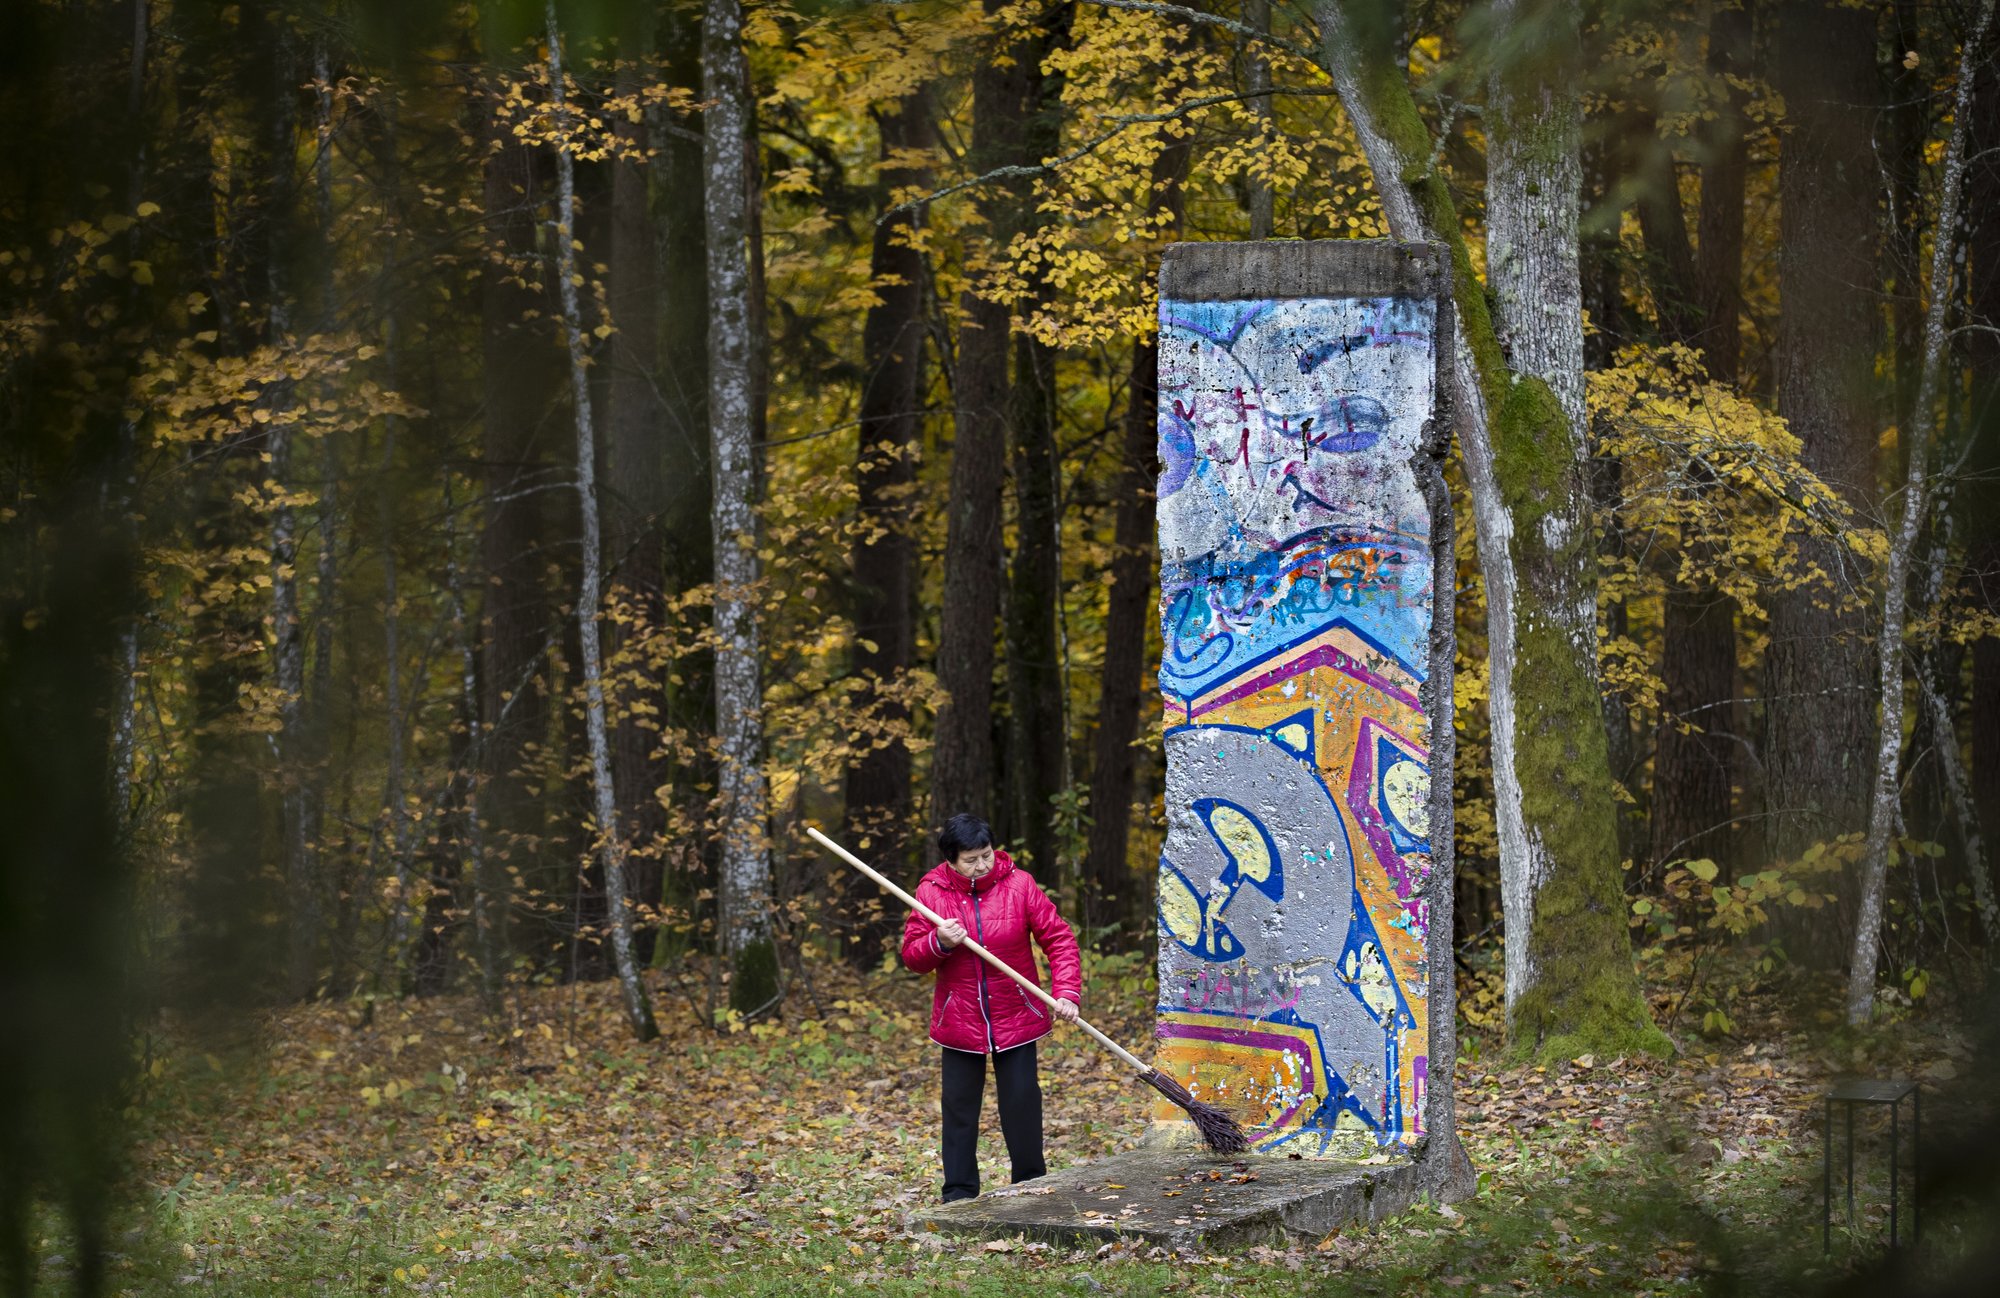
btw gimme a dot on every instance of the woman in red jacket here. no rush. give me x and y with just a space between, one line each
975 1010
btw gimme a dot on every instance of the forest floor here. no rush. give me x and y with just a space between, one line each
416 1150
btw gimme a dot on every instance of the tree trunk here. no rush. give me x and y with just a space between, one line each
884 558
471 830
1978 524
1114 895
319 683
678 199
1819 708
590 599
1694 759
289 744
745 891
1257 81
1898 147
515 367
1600 263
1902 545
393 792
962 769
1038 769
635 508
1719 218
1694 767
1037 748
1110 896
1571 986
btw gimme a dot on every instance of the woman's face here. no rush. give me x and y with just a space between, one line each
975 863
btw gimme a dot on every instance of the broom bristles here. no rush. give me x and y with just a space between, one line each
1217 1128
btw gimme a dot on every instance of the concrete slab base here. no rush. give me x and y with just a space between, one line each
1182 1198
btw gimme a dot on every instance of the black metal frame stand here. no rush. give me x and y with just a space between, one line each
1860 1090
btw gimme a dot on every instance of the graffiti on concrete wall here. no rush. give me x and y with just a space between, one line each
1296 608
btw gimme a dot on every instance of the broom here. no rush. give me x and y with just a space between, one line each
1217 1128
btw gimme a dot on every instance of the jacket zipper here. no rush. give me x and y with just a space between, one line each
985 1011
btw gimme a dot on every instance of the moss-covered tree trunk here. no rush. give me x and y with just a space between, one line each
1570 983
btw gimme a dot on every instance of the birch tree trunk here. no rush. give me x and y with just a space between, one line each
745 883
1571 987
590 596
1902 545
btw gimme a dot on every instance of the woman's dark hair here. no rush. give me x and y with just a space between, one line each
964 833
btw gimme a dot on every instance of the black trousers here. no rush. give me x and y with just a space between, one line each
1019 1093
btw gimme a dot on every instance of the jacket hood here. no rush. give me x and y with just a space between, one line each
944 876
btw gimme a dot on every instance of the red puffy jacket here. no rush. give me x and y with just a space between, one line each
977 1008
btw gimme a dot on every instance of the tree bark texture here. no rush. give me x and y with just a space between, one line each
1257 81
678 205
1601 265
962 762
635 507
879 802
398 828
1719 218
1570 982
1900 140
1038 747
1978 524
1818 701
1694 754
1114 894
1883 803
290 744
517 369
745 890
590 598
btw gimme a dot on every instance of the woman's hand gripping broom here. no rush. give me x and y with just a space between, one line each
1217 1128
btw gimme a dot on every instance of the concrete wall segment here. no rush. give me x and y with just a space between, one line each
1305 965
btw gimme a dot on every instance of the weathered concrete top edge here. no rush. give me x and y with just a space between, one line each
1290 268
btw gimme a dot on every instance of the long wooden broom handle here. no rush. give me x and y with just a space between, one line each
1027 984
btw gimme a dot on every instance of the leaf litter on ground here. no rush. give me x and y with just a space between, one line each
417 1146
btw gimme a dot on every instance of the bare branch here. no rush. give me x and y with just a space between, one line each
1084 150
1212 20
